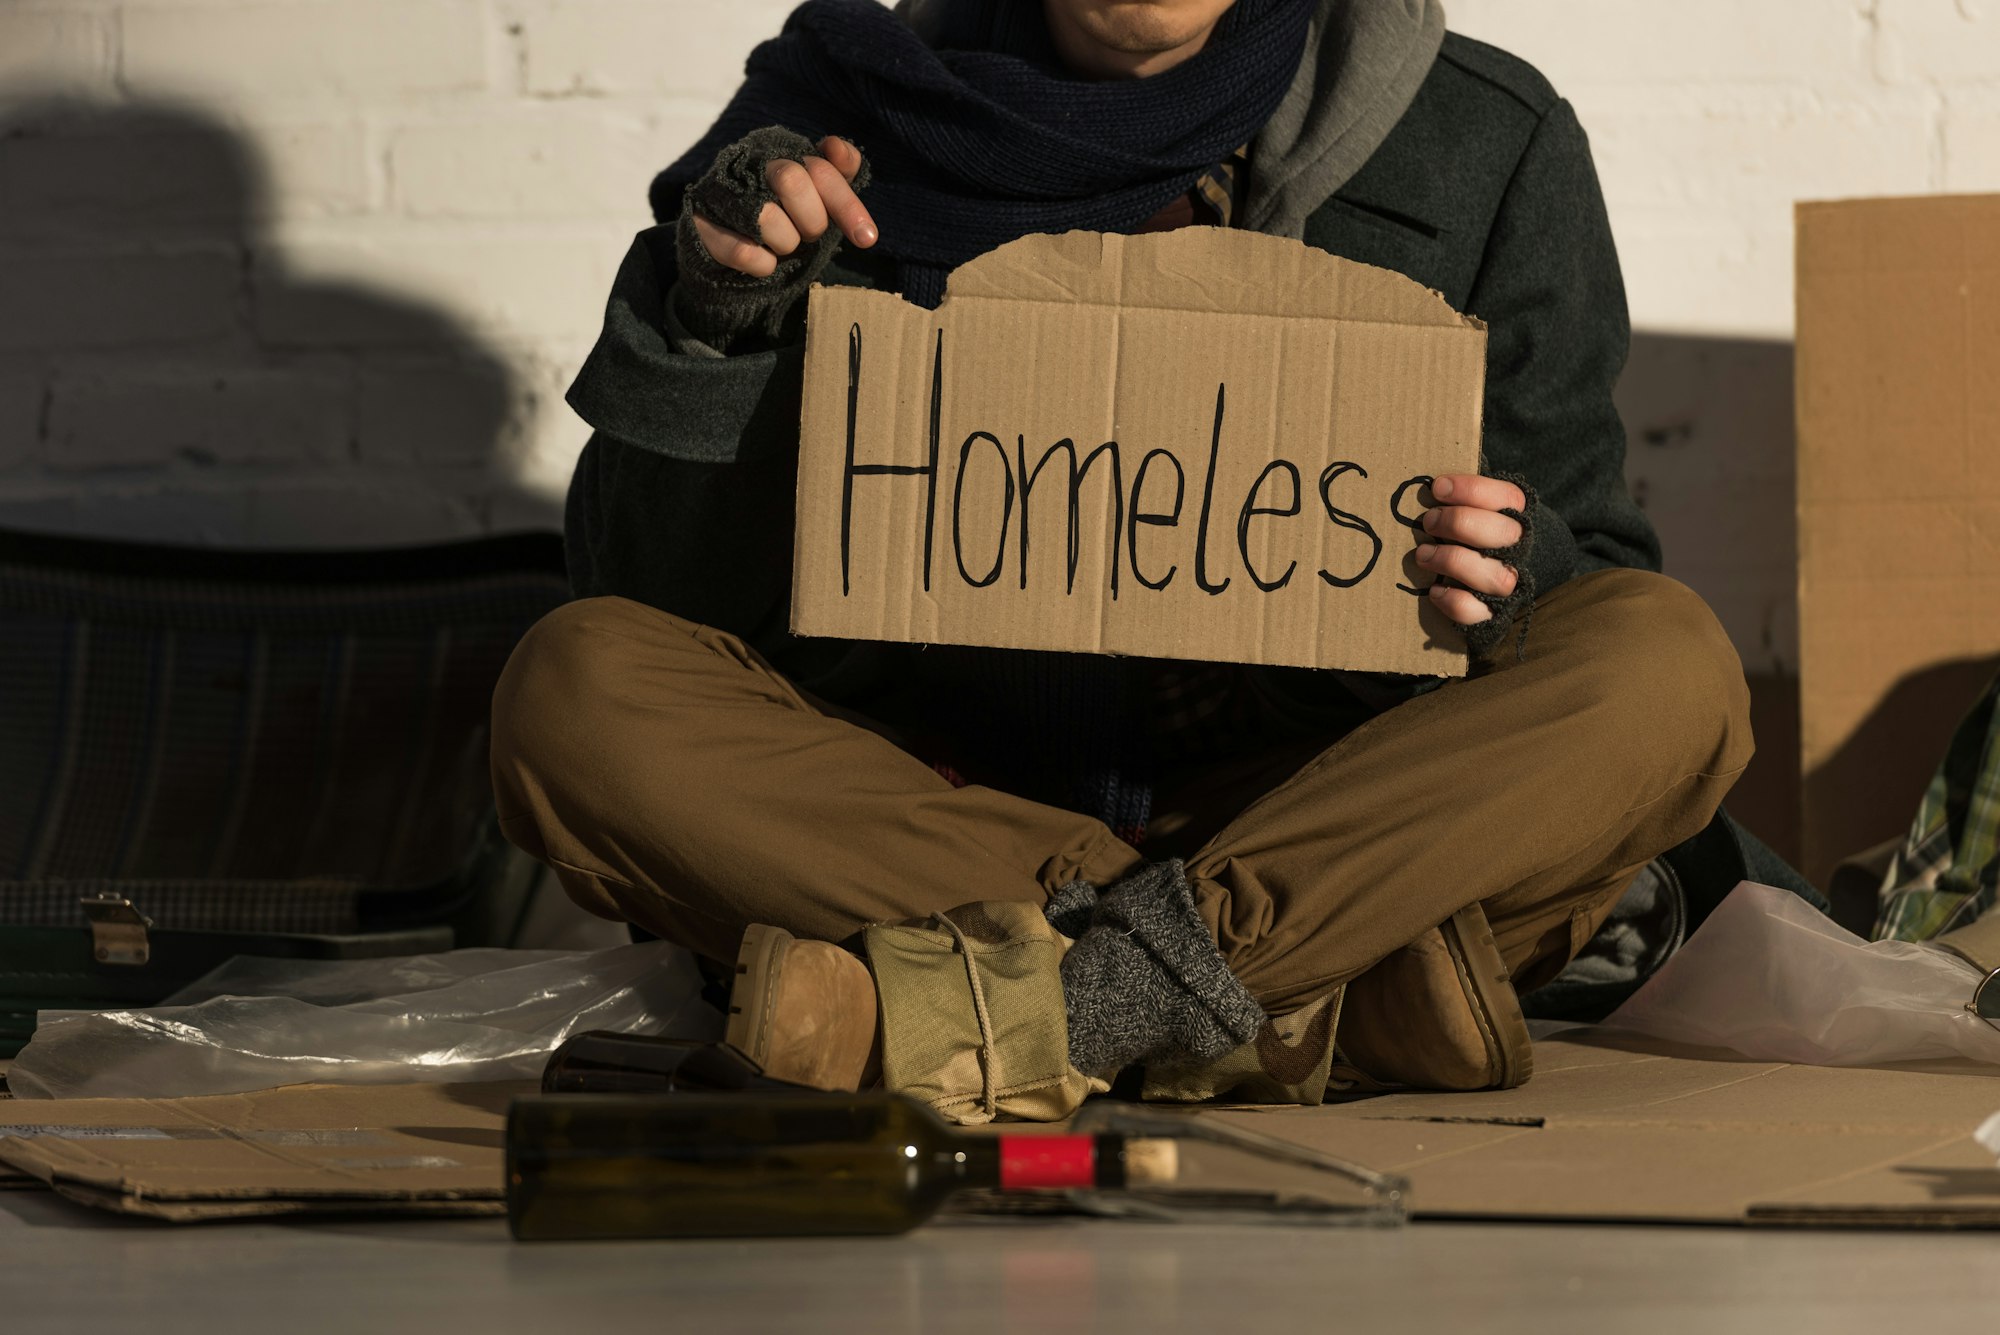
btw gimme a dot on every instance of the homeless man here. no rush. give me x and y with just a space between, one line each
1057 867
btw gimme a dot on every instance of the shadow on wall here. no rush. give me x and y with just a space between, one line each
1711 458
164 376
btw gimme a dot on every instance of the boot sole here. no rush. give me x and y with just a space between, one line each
758 962
1489 989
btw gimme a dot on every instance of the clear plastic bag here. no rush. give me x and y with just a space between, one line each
465 1015
1768 977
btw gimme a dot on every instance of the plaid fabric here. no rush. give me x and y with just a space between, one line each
1221 187
251 743
1948 871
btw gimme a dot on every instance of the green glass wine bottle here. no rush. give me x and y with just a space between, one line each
714 1165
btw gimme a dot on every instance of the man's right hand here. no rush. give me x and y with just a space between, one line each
811 197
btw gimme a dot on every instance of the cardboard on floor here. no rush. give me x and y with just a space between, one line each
302 1149
1603 1132
1614 1128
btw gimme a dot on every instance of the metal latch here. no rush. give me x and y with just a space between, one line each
117 930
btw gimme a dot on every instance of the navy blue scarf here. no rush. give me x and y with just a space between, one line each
973 146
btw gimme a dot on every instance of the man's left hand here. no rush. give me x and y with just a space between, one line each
1465 515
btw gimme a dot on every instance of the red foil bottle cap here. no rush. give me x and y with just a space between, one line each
1028 1162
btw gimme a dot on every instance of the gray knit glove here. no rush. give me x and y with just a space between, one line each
718 304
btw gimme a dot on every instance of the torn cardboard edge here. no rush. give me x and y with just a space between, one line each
1198 444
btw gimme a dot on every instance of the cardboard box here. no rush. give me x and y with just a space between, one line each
1898 403
302 1149
1202 444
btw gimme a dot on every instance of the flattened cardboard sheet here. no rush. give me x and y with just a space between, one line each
1641 1133
1635 1132
1199 444
1899 501
302 1149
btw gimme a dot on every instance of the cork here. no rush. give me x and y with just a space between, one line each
1151 1163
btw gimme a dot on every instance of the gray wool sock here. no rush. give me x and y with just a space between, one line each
1071 908
1145 981
716 303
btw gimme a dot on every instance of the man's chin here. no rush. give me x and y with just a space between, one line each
1144 29
1131 38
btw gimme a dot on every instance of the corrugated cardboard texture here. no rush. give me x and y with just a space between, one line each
1899 501
1269 403
1637 1133
1629 1132
303 1149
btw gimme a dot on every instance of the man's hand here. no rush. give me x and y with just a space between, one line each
811 198
1466 515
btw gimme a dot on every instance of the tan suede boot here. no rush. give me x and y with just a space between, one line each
1439 1014
805 1011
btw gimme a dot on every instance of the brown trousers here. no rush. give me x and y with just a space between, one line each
675 780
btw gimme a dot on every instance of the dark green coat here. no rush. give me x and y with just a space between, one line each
1484 191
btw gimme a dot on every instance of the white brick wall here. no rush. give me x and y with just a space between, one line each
359 51
67 48
319 270
310 271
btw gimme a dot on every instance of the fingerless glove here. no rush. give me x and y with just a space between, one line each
718 304
1487 636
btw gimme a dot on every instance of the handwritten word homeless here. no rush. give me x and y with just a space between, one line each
1199 444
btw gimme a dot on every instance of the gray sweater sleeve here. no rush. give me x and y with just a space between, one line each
682 498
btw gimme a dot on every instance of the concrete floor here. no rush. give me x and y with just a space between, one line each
71 1271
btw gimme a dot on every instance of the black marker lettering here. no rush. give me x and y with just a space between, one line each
1396 509
1346 520
1076 476
958 510
1166 519
1207 499
854 470
930 486
1251 510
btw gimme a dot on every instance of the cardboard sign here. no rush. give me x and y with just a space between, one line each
1200 444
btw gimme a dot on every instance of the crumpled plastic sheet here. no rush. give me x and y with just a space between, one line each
464 1015
1769 977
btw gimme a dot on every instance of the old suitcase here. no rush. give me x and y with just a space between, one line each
210 753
